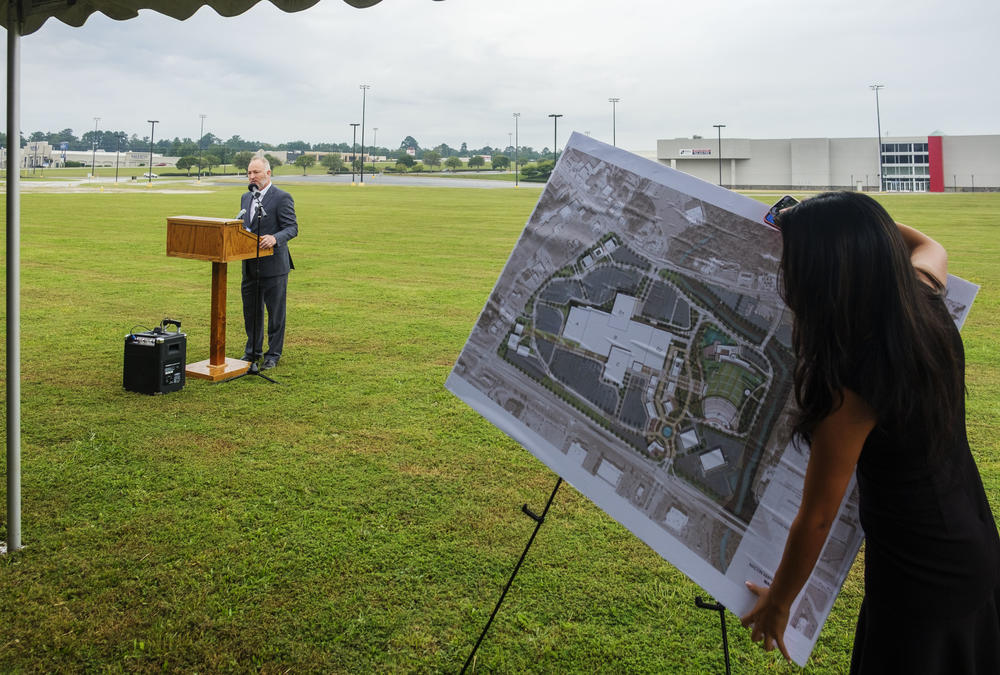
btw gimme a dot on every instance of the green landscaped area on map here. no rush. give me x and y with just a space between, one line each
357 517
729 381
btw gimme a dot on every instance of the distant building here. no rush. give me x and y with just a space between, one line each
934 163
41 154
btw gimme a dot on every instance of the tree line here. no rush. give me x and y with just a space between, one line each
224 150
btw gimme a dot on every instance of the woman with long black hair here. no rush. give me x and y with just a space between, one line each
879 383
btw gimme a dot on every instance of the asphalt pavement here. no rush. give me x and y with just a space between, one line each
393 179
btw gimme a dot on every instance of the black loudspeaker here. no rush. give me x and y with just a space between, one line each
154 360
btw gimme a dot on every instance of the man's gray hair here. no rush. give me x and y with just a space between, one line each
262 160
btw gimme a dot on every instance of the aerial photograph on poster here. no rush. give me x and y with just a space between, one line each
637 344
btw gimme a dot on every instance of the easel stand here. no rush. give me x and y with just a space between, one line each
717 607
539 519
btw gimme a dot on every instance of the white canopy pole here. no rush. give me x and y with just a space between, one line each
73 13
13 277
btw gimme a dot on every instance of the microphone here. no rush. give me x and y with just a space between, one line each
255 192
239 216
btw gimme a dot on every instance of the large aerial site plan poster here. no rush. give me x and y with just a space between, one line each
637 344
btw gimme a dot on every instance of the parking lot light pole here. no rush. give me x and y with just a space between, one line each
364 93
354 148
152 130
878 123
516 116
555 137
614 102
93 157
199 144
719 128
118 149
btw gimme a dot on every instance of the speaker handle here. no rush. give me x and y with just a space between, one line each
170 322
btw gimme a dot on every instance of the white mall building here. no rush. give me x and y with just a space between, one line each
936 163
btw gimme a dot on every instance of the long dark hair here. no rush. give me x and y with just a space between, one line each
864 321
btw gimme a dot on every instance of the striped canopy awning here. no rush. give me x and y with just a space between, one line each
34 13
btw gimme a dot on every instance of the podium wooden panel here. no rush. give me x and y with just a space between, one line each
219 241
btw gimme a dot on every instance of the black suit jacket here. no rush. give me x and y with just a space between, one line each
281 223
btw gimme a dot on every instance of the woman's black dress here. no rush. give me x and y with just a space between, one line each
932 559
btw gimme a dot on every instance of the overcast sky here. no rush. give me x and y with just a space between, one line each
455 71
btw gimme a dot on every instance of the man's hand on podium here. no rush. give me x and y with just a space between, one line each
267 241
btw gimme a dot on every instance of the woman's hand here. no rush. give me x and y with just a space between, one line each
767 620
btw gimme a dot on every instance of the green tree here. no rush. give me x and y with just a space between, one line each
539 172
185 147
453 163
187 163
66 136
500 162
431 158
305 161
333 162
409 142
208 160
405 158
274 161
241 160
208 140
476 161
224 154
464 149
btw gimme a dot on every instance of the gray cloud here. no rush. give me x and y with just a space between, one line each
455 71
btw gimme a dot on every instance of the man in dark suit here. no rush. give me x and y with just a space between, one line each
275 226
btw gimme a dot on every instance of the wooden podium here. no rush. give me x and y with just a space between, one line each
219 241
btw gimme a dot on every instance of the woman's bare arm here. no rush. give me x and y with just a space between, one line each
926 255
834 450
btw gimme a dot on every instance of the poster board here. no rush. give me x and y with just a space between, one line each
637 344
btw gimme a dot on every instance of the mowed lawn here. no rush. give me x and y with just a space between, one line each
355 517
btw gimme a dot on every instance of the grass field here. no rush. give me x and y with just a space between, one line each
169 173
357 517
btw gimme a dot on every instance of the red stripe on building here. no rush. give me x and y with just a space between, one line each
936 161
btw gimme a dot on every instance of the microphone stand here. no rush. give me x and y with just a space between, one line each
254 368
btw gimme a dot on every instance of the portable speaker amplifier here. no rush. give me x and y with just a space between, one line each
154 360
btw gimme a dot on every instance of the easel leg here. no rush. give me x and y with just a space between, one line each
717 607
539 519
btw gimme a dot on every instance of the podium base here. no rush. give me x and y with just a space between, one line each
205 370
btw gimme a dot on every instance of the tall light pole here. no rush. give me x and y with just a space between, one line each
93 160
364 93
152 129
354 149
516 116
719 128
614 102
878 122
118 149
555 137
201 136
374 140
